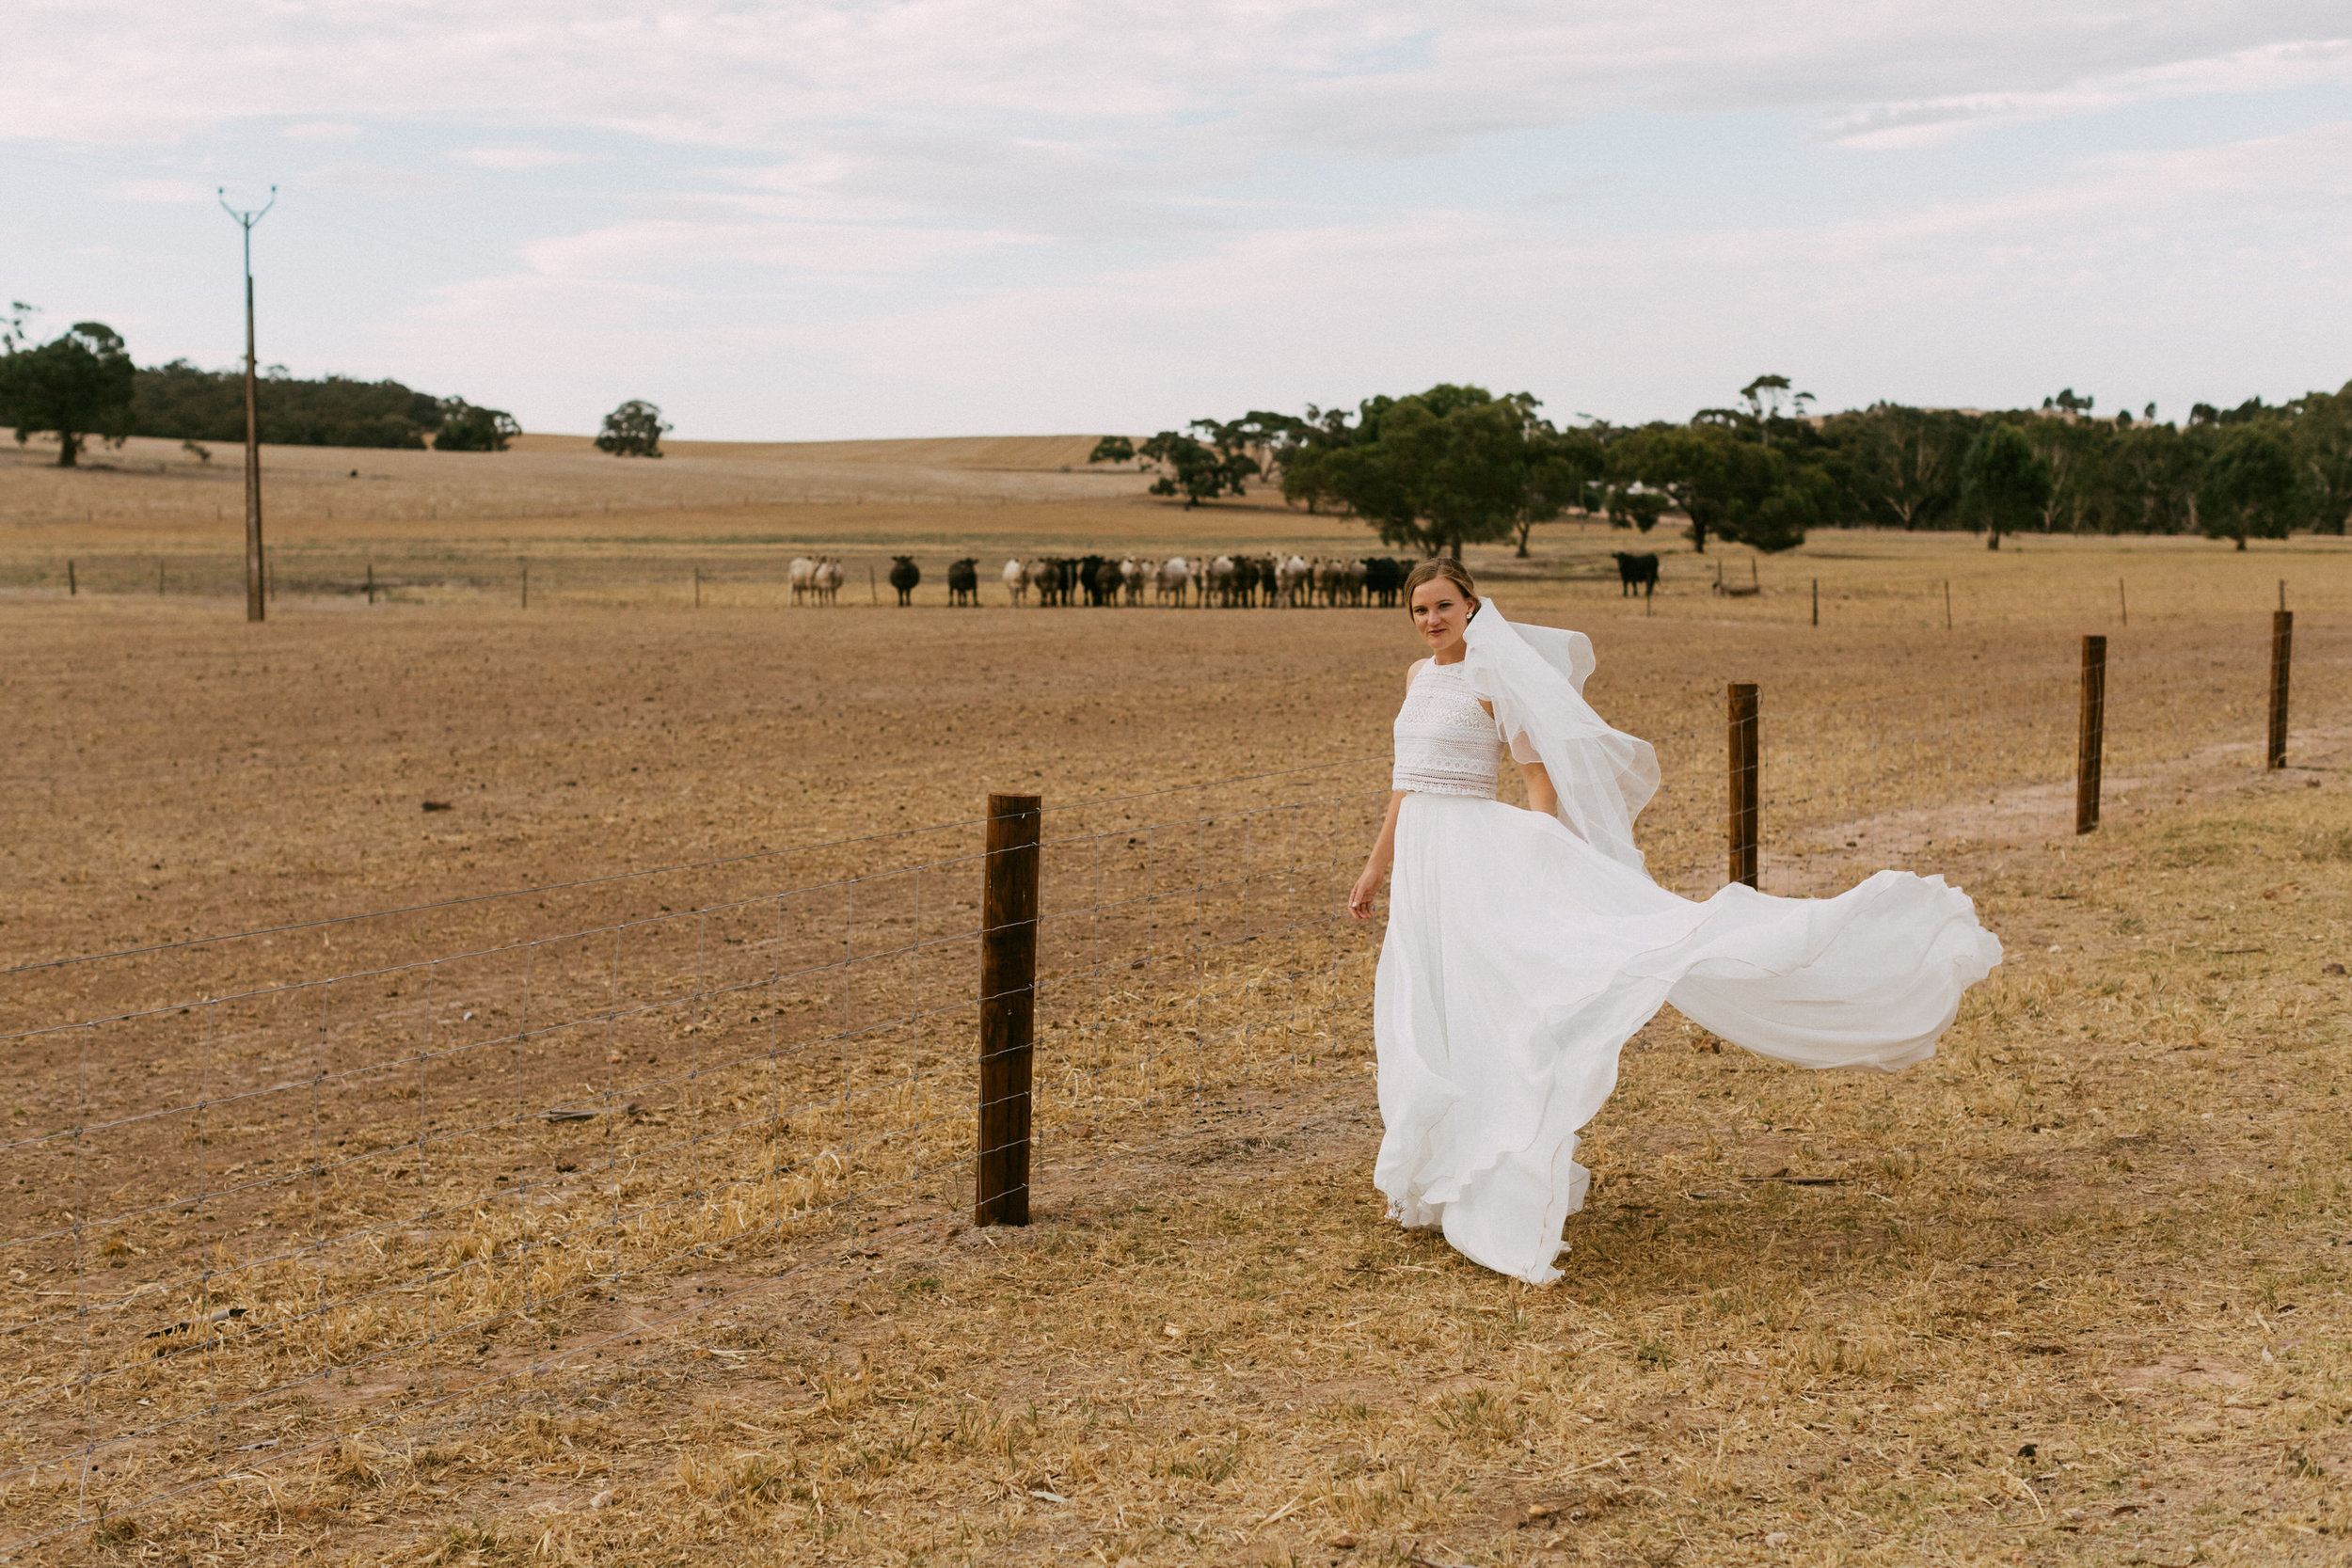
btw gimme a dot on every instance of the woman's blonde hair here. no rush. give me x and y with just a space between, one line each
1442 566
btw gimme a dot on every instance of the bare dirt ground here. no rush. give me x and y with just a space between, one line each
2072 1292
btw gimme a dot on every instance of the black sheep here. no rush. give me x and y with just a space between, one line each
1100 578
904 575
1261 579
963 581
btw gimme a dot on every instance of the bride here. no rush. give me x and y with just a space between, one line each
1525 947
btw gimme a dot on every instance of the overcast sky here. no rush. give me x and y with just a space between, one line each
904 217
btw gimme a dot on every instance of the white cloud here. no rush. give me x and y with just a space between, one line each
164 191
2275 67
1114 121
1073 190
1978 302
512 159
847 250
380 179
933 211
1378 72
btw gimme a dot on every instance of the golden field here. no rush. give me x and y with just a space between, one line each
2074 1292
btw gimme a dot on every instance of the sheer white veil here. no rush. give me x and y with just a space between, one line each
1534 676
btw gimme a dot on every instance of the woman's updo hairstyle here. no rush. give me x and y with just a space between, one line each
1442 566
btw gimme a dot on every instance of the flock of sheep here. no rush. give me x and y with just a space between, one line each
1231 581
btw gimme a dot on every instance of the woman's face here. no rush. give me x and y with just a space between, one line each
1440 610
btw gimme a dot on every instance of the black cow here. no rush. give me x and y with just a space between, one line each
1384 579
1635 571
1060 581
904 575
1099 576
963 581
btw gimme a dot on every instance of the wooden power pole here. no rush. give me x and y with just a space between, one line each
256 603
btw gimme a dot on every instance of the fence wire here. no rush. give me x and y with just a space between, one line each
272 1217
257 1217
1910 778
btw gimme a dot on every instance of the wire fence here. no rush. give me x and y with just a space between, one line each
1910 778
261 1220
746 572
271 1191
752 570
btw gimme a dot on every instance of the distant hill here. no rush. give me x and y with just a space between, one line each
1009 453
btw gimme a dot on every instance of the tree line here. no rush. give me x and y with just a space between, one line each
181 402
82 386
1457 465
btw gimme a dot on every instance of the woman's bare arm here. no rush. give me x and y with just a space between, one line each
1541 796
1377 865
1384 848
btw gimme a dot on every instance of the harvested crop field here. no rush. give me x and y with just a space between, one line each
620 1219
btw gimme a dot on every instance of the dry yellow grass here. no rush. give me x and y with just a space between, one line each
980 453
2072 1292
154 490
2039 1228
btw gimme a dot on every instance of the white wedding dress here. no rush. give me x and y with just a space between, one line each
1523 950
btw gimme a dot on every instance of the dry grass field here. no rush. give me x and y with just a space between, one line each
2075 1292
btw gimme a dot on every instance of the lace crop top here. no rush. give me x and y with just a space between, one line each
1446 743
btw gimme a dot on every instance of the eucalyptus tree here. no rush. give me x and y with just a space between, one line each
76 385
1903 464
633 430
1754 475
2004 482
1196 470
2249 484
2321 435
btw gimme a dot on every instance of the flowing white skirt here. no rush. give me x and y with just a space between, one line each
1518 960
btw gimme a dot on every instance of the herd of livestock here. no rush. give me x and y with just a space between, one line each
1229 581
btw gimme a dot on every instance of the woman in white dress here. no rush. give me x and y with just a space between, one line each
1525 947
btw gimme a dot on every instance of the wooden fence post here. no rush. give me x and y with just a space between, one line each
1008 1009
370 582
1740 820
2090 742
72 587
2281 657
